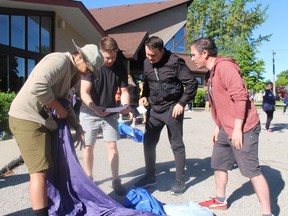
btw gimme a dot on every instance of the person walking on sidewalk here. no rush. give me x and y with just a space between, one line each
101 91
268 105
236 134
134 98
207 104
32 126
285 100
163 67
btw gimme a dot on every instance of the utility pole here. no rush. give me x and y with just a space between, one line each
274 86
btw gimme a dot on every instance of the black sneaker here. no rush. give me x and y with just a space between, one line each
146 181
118 187
177 188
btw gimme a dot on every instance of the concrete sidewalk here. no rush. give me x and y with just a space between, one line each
198 126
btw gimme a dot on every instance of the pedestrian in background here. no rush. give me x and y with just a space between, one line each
268 105
118 104
134 98
190 106
207 104
144 114
285 102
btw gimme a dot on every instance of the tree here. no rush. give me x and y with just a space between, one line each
282 79
230 23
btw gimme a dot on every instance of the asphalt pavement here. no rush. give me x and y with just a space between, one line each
198 126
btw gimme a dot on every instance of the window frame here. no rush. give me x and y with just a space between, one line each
25 53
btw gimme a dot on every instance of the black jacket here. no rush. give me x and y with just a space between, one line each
170 68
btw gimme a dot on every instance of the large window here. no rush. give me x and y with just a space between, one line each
13 71
16 75
200 80
25 37
33 33
17 31
46 35
4 79
177 43
4 26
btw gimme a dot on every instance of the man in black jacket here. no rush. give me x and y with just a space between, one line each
162 67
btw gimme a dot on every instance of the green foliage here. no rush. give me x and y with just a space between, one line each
5 102
199 100
282 78
230 23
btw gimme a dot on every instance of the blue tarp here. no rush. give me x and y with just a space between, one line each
126 131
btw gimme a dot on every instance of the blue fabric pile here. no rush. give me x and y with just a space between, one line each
126 131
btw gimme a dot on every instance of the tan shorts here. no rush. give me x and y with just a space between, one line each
34 142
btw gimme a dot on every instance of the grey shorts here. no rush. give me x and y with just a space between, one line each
92 125
224 155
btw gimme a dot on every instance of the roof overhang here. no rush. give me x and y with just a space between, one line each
116 16
191 64
73 12
168 33
130 43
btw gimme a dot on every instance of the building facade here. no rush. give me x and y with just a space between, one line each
30 29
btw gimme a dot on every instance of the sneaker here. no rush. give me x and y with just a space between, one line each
177 188
269 131
118 187
146 181
3 135
213 203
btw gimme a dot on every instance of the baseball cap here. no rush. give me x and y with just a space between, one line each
91 56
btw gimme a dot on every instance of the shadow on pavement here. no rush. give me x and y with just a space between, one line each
24 212
12 180
276 185
197 170
279 127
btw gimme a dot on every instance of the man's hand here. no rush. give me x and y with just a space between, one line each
237 138
60 111
215 135
142 101
177 110
237 135
79 137
100 111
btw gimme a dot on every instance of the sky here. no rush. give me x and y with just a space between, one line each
276 24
